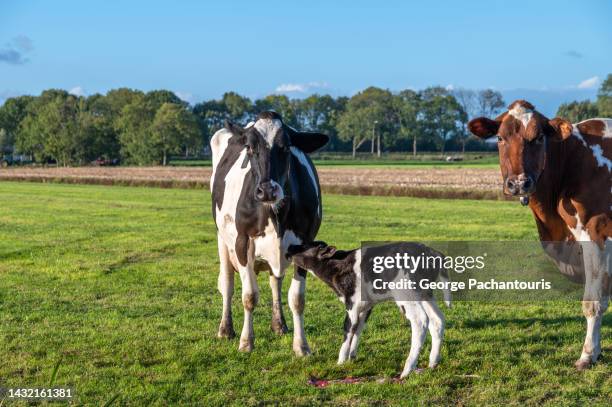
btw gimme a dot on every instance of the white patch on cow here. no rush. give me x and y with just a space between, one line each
602 160
596 149
268 128
272 248
279 195
249 124
218 144
579 232
234 181
521 113
299 154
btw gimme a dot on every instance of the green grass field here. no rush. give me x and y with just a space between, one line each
393 160
119 283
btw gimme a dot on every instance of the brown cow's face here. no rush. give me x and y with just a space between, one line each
523 135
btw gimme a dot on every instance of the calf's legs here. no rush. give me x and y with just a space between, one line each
417 316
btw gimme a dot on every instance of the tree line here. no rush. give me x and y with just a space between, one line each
578 111
141 128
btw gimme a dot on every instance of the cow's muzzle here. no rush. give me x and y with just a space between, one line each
268 192
522 185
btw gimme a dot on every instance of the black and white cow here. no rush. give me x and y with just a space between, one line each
265 197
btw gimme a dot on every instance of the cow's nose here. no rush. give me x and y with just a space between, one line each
521 185
512 185
265 192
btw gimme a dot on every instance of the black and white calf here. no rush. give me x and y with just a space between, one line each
265 197
342 271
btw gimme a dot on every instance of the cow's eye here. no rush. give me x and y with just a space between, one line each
499 139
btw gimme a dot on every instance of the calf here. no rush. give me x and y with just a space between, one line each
341 270
563 171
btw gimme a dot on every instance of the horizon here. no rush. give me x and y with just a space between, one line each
205 50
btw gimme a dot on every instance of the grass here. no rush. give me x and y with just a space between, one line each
119 284
389 160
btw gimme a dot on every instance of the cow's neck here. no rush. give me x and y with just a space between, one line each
557 181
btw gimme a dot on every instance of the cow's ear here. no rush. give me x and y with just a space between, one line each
560 129
306 141
483 127
233 128
327 252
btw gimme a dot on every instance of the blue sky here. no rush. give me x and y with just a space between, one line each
548 50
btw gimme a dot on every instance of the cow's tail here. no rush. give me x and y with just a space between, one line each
446 292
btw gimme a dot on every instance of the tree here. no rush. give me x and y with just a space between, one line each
406 105
578 111
369 115
238 108
134 124
489 103
174 128
468 101
12 113
604 98
441 116
281 104
320 113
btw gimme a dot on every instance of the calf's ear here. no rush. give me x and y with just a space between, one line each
484 128
327 252
233 128
306 141
560 129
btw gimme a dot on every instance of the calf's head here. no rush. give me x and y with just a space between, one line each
523 135
268 143
311 256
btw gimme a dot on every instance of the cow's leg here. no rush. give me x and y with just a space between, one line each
351 324
436 330
595 300
363 318
226 288
250 297
279 325
297 303
418 324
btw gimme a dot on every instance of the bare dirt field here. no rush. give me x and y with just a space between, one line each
474 183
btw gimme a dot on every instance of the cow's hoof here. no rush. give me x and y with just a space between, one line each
279 326
582 364
246 345
301 351
226 331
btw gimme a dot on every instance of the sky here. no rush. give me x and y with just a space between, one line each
545 51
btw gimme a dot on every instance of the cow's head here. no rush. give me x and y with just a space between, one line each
268 143
523 135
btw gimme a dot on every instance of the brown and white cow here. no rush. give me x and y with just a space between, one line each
564 173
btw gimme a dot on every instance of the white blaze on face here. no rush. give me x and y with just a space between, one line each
268 129
521 113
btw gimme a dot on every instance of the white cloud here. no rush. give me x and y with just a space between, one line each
450 87
185 96
589 83
300 87
77 91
